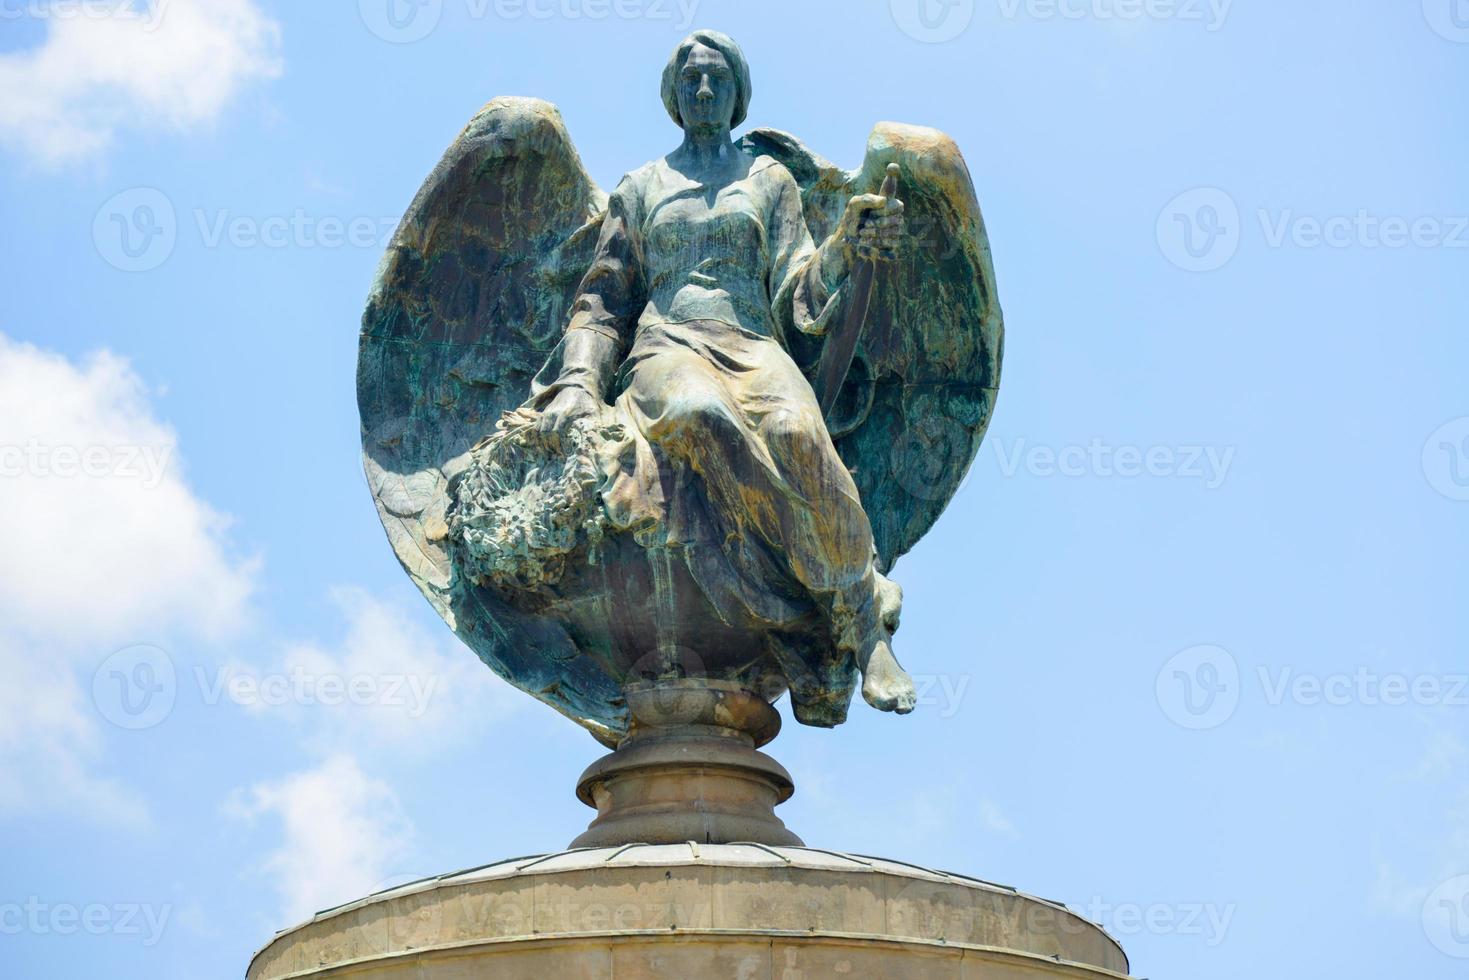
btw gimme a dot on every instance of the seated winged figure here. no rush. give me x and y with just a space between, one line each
684 429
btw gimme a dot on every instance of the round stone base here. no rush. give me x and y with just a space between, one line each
686 911
688 770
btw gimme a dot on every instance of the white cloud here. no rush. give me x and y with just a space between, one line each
995 821
49 743
341 830
104 537
146 64
388 680
105 544
1445 764
1395 895
344 834
1445 757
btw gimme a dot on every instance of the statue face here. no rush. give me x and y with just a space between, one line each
706 90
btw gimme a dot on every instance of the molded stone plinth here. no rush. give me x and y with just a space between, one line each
689 770
689 911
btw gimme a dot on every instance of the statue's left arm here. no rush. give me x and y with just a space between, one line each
805 283
808 281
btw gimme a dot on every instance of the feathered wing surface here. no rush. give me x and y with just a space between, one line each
921 390
469 300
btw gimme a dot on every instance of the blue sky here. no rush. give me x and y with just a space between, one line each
1189 636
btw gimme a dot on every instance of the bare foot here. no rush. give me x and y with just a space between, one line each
889 602
885 685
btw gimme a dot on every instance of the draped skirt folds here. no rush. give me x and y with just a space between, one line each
730 463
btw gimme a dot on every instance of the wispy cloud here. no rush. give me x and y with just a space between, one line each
991 819
159 65
104 521
387 680
1445 762
50 747
105 542
340 832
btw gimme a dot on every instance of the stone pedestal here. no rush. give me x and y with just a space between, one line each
689 770
686 911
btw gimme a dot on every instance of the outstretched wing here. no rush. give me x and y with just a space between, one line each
922 388
468 301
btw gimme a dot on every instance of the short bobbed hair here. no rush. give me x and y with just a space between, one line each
726 46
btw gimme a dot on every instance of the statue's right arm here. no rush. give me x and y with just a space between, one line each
607 304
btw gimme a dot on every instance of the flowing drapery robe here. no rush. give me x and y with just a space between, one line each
681 322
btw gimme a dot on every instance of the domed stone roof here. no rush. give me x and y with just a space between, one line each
658 903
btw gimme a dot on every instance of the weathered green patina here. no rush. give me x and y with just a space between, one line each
587 419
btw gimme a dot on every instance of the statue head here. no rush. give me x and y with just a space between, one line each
707 82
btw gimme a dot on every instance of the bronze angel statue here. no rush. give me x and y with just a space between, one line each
683 429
